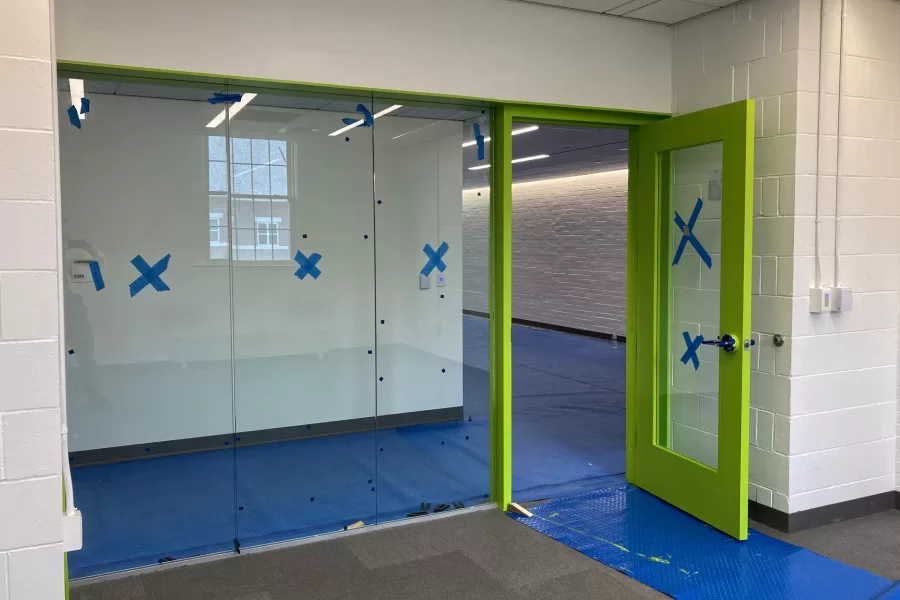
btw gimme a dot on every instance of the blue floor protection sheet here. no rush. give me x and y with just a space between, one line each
662 547
568 437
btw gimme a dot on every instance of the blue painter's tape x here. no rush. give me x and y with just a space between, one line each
149 275
435 258
307 265
687 235
74 119
220 98
85 106
691 353
479 139
96 275
368 119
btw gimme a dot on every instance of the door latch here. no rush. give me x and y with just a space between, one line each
726 343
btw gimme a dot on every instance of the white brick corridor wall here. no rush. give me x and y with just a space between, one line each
31 557
569 250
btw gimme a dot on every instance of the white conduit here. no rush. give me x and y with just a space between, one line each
839 168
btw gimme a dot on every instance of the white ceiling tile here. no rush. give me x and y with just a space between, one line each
629 6
670 11
591 5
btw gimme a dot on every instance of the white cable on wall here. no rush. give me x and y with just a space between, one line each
840 169
817 246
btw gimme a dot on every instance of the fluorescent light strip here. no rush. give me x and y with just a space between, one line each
235 109
514 161
389 109
76 92
515 132
528 158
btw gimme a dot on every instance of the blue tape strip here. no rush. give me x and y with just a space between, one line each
149 275
479 139
368 119
307 265
687 235
74 119
96 275
669 550
434 258
219 98
85 106
691 353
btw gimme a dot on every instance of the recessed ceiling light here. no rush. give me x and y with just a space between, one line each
233 110
389 109
622 149
515 132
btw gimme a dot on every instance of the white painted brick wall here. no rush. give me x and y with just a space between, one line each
758 49
821 405
569 250
31 556
844 365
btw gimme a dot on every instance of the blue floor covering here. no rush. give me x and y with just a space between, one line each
568 436
662 547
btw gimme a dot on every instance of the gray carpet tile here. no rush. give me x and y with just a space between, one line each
130 588
871 542
477 556
591 584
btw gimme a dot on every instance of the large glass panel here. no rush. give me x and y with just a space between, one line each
431 171
693 177
147 323
304 329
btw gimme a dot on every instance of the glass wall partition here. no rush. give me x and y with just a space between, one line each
148 364
304 314
302 365
431 217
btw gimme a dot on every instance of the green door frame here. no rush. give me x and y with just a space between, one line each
505 113
501 272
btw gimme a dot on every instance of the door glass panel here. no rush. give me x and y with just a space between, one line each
692 267
148 374
431 215
304 333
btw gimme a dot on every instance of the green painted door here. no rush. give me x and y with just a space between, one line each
689 397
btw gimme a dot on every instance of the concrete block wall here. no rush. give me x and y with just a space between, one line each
31 556
843 411
569 250
823 406
757 49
